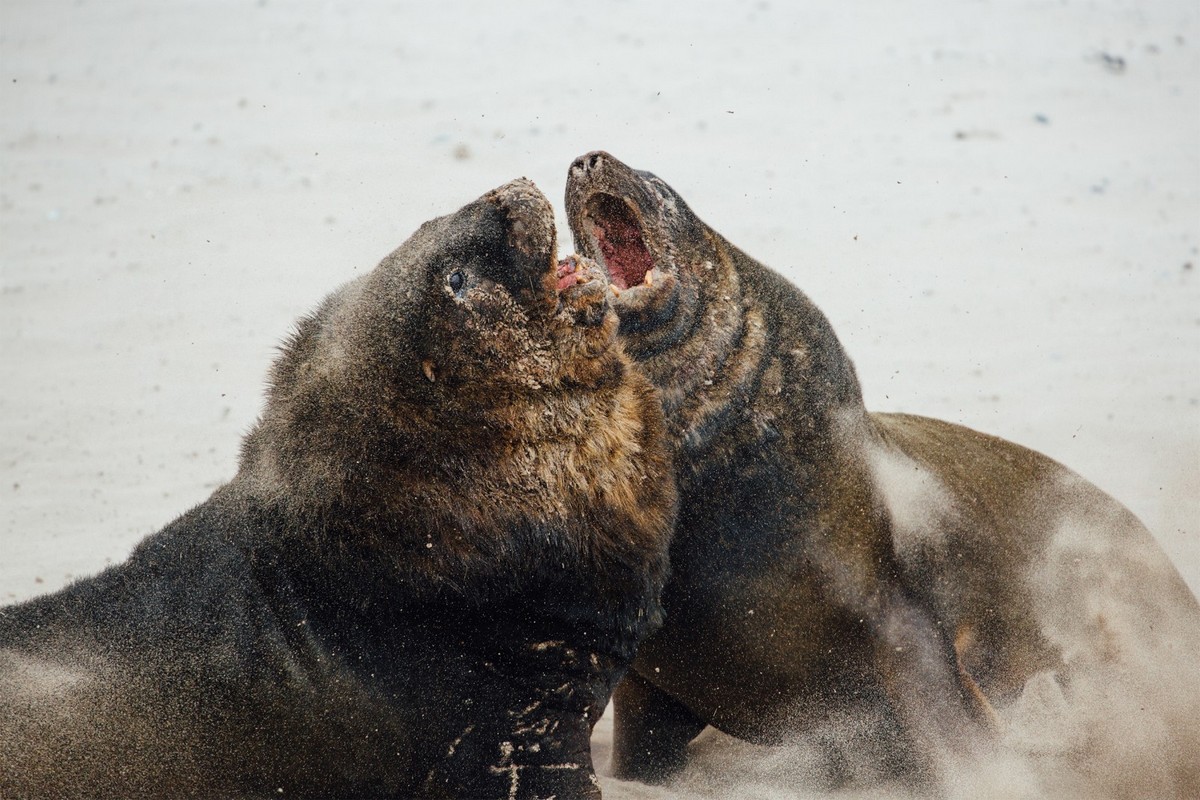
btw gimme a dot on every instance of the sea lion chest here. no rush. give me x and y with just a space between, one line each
750 605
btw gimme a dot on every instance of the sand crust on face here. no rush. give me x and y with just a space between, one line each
995 205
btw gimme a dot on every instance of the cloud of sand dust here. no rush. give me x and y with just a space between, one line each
1120 720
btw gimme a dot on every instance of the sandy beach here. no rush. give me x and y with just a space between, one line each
996 204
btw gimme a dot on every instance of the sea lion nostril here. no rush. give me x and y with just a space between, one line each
588 161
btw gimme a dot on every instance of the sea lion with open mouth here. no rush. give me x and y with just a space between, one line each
910 577
447 535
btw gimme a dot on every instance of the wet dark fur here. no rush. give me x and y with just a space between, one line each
805 586
445 539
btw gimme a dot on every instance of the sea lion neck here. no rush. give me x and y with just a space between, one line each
369 462
435 507
338 419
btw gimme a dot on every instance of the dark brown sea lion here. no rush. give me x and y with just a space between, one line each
446 537
899 584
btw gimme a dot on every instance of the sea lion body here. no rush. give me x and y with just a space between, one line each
899 579
447 534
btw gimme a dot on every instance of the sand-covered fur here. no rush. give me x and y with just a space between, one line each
446 537
902 592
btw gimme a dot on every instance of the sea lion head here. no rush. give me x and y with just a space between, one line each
678 292
441 355
476 303
659 256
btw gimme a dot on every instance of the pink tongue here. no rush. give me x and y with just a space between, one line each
566 273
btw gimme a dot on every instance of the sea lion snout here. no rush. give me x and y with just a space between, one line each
530 235
589 162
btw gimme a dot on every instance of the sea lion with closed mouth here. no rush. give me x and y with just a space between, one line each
446 536
913 577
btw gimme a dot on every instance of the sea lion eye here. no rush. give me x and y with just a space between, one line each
456 280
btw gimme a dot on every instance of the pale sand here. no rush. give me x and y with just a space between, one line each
997 205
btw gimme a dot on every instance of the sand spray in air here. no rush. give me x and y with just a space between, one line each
1119 719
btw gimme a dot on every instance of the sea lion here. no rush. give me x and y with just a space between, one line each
446 536
916 580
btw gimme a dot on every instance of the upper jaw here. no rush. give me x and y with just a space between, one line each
530 219
530 236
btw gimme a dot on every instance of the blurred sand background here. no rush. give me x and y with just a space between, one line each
996 203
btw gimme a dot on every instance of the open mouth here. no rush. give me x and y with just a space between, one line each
582 290
619 243
575 271
569 274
